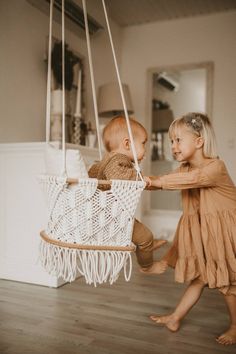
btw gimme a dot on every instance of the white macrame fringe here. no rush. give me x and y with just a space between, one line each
96 266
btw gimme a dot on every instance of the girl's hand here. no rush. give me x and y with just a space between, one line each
152 182
148 181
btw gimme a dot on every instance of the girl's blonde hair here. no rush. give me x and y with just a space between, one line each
200 125
116 130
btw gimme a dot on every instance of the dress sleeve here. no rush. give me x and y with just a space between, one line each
206 176
120 168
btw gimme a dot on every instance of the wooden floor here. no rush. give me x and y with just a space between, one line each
81 319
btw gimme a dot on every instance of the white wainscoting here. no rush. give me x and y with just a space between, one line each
23 212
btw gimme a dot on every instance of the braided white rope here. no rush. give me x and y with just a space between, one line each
119 82
122 93
63 88
92 83
48 101
95 107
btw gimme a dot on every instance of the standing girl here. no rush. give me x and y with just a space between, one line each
204 248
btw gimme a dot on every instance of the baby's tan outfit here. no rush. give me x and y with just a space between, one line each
205 241
119 166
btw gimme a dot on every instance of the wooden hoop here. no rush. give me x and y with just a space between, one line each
100 181
46 238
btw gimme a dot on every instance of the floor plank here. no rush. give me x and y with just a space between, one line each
78 318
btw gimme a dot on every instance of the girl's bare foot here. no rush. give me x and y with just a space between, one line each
229 337
155 268
170 321
158 243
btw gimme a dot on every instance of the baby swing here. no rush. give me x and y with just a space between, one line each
89 230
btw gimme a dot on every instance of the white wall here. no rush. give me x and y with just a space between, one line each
23 32
177 42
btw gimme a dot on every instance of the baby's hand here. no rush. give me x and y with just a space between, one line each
152 182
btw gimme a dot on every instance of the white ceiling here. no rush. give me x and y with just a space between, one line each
136 12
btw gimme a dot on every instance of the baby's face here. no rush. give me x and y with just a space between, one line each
140 140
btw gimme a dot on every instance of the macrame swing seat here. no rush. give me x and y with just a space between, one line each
89 230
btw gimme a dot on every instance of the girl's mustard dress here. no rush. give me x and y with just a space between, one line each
205 240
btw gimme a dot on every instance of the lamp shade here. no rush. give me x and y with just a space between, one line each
162 119
110 102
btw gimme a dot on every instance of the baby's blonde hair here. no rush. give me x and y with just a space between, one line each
116 130
200 125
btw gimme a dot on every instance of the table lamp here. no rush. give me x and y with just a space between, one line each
110 102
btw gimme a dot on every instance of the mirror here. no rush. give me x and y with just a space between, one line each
174 91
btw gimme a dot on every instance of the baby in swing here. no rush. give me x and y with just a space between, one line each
118 164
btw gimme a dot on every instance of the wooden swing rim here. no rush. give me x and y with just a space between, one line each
101 182
46 238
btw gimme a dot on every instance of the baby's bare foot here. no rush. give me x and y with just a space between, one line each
155 268
158 243
170 321
229 337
